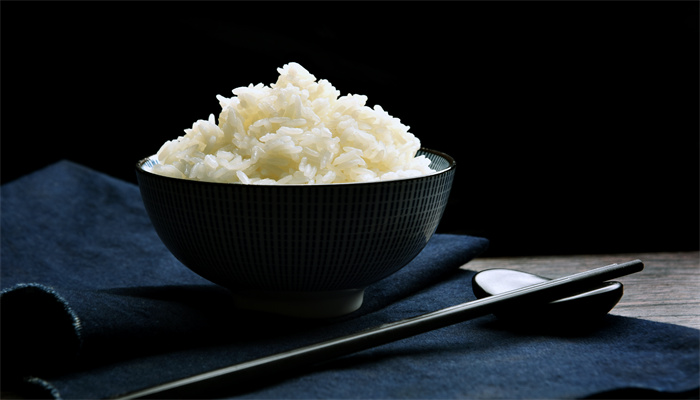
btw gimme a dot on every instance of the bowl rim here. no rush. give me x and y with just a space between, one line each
452 165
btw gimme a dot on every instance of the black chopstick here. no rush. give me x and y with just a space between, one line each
201 385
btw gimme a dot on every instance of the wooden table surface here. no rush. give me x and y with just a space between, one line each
667 290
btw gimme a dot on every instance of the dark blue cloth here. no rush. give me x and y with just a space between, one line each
93 306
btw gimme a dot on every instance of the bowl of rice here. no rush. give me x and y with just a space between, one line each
298 199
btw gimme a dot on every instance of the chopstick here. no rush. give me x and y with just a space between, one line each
240 374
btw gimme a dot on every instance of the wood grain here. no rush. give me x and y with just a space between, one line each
668 290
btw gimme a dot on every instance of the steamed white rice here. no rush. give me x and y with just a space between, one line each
296 131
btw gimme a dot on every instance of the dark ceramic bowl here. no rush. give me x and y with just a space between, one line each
303 250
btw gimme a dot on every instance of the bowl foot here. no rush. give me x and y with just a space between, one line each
301 304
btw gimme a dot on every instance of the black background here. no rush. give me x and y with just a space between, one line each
574 124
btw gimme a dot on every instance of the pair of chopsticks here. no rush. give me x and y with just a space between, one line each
240 374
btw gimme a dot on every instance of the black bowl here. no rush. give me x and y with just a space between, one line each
305 250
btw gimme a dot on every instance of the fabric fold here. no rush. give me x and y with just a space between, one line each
41 332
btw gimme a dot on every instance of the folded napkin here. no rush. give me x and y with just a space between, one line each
94 306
